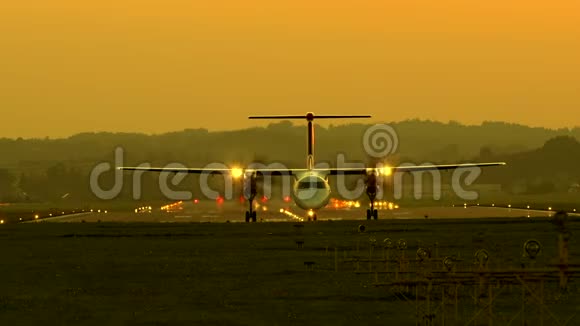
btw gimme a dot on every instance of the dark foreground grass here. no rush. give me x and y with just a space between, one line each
229 274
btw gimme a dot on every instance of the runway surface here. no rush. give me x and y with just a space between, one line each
235 214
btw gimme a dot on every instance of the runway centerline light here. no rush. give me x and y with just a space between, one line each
482 257
402 244
532 248
388 243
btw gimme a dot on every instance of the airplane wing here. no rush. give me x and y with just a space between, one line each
176 170
233 171
407 168
236 172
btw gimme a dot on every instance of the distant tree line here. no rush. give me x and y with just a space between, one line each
540 160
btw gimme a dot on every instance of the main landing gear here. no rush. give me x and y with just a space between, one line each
251 215
250 191
371 186
372 213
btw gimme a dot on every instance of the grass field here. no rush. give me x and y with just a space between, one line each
234 273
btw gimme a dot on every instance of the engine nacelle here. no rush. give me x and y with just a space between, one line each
250 185
371 183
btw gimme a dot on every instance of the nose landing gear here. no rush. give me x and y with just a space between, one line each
312 216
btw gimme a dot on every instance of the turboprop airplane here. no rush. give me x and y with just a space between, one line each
311 188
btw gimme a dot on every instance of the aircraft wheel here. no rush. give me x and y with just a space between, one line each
247 216
376 214
254 216
314 217
368 214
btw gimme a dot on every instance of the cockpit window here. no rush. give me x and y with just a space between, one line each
312 185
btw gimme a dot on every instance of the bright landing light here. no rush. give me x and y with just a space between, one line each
237 172
387 170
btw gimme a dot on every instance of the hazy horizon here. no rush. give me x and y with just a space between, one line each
245 123
295 123
142 66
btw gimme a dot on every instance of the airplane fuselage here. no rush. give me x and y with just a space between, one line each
311 191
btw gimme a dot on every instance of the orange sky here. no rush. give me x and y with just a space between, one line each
154 66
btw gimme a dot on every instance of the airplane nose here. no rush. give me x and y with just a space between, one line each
306 194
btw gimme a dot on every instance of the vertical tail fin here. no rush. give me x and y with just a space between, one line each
310 118
310 157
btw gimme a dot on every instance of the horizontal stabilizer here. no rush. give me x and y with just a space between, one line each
310 116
